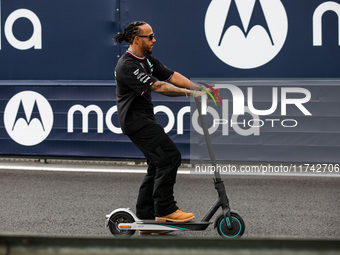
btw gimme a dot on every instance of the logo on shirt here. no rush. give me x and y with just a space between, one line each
141 76
246 34
150 65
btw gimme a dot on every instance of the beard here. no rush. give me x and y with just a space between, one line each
149 52
146 48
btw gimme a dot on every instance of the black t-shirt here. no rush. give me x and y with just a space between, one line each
134 76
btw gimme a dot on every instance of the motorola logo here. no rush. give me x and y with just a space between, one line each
28 118
246 34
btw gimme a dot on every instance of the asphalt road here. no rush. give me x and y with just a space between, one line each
75 204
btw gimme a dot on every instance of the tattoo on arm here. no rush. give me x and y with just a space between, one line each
167 89
170 90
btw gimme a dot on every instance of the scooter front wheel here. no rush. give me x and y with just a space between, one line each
116 219
236 222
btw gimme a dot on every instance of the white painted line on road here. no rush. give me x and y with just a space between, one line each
140 170
79 169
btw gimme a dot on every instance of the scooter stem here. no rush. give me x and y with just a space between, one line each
208 140
223 200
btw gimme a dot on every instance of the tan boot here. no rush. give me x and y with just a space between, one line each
177 216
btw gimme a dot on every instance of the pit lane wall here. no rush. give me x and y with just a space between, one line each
58 89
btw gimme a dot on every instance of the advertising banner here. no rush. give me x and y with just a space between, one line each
273 120
72 40
77 119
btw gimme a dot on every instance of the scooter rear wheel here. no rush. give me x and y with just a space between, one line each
116 219
237 224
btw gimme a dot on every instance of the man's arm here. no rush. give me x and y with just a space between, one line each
182 82
170 90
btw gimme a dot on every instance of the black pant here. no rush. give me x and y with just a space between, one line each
163 157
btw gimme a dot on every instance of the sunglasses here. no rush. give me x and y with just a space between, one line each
149 36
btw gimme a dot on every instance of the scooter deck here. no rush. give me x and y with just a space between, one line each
153 225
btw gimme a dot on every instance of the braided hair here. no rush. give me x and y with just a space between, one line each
129 32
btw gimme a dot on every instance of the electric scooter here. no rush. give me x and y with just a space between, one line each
123 222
